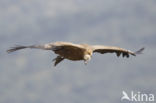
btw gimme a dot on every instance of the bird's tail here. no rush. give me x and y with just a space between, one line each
17 47
139 51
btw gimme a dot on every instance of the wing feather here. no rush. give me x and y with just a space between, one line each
19 47
112 49
49 46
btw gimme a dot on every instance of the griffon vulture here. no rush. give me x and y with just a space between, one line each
70 51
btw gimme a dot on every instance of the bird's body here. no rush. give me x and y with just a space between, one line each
74 52
71 53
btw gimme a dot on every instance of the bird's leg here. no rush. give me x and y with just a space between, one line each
57 60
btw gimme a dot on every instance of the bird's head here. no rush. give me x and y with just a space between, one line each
87 58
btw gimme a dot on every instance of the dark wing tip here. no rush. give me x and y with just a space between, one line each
139 51
17 47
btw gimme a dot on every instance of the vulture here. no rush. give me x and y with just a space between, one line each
75 52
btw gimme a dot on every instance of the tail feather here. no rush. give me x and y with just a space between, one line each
17 47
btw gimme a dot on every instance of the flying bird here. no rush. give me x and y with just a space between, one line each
75 52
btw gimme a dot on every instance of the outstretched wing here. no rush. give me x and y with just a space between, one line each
110 49
19 47
63 46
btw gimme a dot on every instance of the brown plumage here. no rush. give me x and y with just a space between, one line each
70 51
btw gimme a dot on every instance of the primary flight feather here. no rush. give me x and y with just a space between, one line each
70 51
